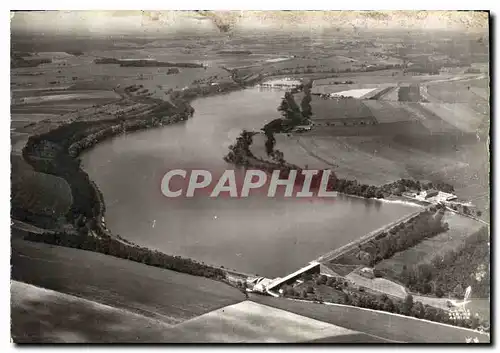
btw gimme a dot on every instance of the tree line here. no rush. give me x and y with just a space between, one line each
128 251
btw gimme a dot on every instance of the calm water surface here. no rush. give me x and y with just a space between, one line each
269 237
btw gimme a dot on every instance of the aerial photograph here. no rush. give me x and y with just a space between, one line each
250 177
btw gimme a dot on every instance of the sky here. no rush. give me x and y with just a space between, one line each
131 22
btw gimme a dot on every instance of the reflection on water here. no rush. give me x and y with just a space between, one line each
259 235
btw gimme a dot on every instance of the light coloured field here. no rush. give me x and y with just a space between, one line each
459 91
392 95
459 115
354 93
346 159
68 96
252 322
433 123
379 284
425 251
18 140
330 87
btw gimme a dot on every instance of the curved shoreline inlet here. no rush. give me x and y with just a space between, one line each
261 235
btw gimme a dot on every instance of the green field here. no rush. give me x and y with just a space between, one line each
156 293
389 111
40 193
44 316
338 108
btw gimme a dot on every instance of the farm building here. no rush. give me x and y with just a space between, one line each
435 196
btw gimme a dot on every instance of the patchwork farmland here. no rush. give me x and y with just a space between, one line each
100 255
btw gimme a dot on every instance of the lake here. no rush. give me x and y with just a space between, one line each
266 236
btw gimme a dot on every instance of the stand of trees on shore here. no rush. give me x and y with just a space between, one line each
451 273
144 63
399 186
239 152
128 251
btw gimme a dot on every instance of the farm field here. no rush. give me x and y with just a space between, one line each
412 126
253 322
388 326
341 270
149 291
381 285
344 155
409 93
425 147
337 108
81 73
47 316
462 91
433 123
44 316
389 111
460 228
328 88
41 193
391 95
459 115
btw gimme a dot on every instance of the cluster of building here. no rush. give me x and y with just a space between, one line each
281 83
432 196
